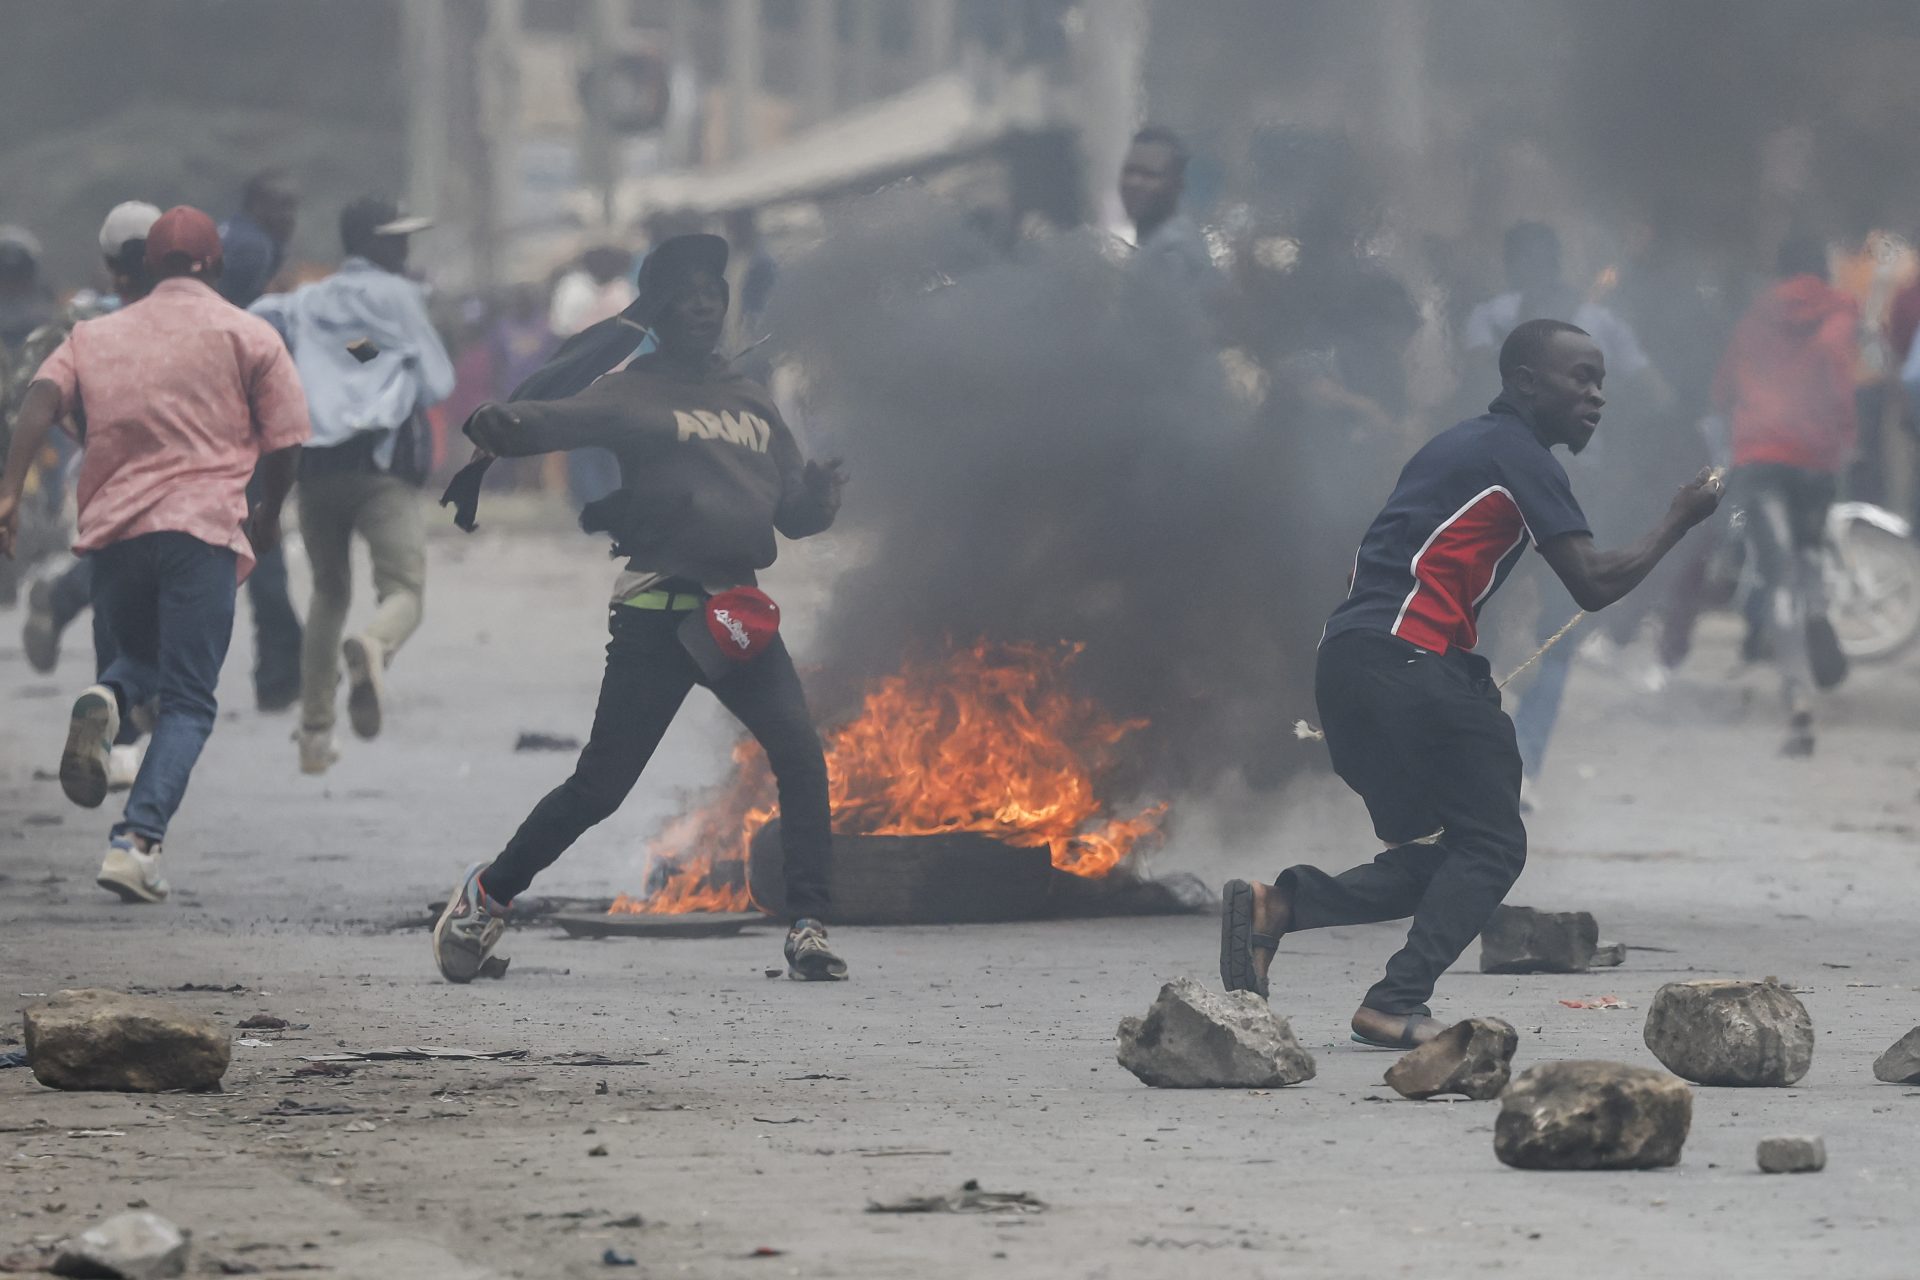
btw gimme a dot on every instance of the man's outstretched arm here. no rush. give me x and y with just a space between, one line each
1597 578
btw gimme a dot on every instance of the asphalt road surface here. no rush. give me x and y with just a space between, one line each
747 1114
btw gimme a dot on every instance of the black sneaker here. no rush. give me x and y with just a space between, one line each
1799 744
809 959
1824 654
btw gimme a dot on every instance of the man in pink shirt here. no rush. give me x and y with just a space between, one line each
177 398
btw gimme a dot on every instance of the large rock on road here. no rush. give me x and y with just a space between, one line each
1730 1033
1523 940
1196 1038
95 1039
1593 1115
1472 1058
1900 1064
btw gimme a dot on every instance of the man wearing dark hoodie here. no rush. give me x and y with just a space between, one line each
708 474
1786 388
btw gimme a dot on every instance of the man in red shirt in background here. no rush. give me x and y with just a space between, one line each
1786 387
178 397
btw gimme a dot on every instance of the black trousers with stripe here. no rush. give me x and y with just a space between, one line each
1421 737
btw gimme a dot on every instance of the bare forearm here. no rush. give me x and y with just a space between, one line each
1616 573
30 431
276 473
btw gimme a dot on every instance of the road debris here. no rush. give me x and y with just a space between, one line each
1592 1115
1730 1033
1900 1064
97 1039
614 1258
1609 955
1791 1155
529 740
1473 1059
127 1246
263 1022
970 1198
1523 940
1598 1002
1196 1038
420 1053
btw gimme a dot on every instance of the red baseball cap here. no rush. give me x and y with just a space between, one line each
183 232
730 631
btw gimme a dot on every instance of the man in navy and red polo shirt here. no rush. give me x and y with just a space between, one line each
1411 713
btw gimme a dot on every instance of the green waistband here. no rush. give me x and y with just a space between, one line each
671 601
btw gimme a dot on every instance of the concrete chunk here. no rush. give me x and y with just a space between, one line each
1791 1155
127 1246
1730 1033
1900 1064
1609 955
1196 1038
1472 1058
1523 940
1592 1115
94 1039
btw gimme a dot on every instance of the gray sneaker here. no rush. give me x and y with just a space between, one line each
132 873
468 929
366 684
39 637
94 725
809 958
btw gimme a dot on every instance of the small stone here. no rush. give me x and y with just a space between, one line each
1900 1064
1609 955
1196 1038
94 1039
1522 940
1472 1058
1592 1115
1792 1155
130 1246
1722 1032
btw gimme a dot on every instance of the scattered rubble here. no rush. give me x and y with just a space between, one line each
1196 1038
1792 1155
970 1198
1523 940
127 1246
1900 1064
263 1022
1609 955
532 740
96 1039
1593 1115
1722 1032
1472 1058
420 1053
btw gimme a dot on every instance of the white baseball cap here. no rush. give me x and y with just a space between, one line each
129 221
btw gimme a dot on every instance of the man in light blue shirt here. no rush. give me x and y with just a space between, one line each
1152 180
372 365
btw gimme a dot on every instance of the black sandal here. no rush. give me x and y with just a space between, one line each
1405 1040
1238 941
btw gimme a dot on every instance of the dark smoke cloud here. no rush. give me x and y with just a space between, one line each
1044 449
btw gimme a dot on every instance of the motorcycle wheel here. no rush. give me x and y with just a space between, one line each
1873 588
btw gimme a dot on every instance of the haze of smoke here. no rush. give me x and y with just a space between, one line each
1044 449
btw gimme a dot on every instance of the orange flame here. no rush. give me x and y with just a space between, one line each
982 740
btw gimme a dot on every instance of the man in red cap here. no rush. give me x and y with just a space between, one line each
709 473
178 398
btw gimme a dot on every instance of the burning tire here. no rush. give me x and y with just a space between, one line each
957 878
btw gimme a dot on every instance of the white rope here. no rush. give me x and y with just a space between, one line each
1308 733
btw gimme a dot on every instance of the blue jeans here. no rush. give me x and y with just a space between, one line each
165 603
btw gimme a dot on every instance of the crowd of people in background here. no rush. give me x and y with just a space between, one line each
1781 380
